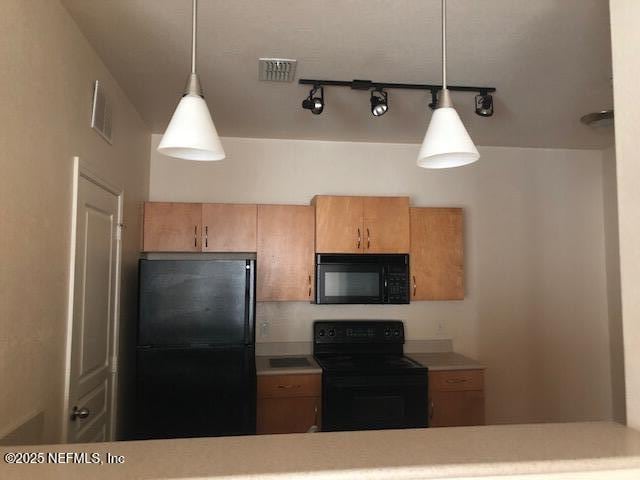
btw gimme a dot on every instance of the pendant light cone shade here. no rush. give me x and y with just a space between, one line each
446 143
191 134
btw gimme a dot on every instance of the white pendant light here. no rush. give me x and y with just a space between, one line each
446 143
191 134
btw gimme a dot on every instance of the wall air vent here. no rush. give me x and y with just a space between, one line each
101 113
276 69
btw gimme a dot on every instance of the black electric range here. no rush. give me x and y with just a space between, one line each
367 382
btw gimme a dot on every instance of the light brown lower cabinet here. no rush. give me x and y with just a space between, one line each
288 403
456 398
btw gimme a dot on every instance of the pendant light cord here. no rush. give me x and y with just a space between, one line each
444 44
193 39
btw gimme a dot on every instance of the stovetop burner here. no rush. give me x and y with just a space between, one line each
361 346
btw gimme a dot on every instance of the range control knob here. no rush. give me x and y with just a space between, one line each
396 332
387 332
321 332
332 333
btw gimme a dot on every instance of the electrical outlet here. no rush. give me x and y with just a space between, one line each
440 328
264 329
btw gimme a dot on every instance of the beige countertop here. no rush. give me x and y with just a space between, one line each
445 361
263 366
433 361
573 450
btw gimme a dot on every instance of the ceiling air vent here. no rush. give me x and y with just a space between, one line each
276 69
101 112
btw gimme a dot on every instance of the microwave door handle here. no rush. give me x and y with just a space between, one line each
385 297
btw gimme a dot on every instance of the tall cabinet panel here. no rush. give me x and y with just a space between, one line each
437 254
229 227
172 227
285 255
386 225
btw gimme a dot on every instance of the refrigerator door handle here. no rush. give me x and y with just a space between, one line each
251 301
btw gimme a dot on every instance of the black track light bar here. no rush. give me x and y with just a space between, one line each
368 85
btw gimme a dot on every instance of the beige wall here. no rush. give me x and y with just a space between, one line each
46 76
612 252
536 309
625 36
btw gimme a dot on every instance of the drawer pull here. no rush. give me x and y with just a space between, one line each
289 386
457 380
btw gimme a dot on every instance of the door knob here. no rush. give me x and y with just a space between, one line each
81 413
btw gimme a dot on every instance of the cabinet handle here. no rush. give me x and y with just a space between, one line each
315 410
431 409
195 236
368 240
414 286
206 236
309 286
359 238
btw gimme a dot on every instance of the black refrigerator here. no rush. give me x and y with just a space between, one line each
195 354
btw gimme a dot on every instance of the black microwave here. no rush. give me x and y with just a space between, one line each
360 279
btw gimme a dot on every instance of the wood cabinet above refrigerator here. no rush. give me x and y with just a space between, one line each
198 227
347 224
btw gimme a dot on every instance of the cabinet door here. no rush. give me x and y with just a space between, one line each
339 224
172 227
229 227
437 254
386 225
456 398
287 414
285 253
456 408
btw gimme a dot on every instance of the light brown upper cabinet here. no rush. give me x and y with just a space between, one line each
386 224
197 227
437 254
229 227
285 258
172 227
362 224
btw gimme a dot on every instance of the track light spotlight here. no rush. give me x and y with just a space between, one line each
484 104
379 102
313 102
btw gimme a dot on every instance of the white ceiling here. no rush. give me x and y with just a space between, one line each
549 59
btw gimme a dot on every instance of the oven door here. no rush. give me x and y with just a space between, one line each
350 283
374 402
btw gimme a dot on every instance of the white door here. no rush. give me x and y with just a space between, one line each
90 381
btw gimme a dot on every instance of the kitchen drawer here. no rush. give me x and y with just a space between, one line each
270 386
456 380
